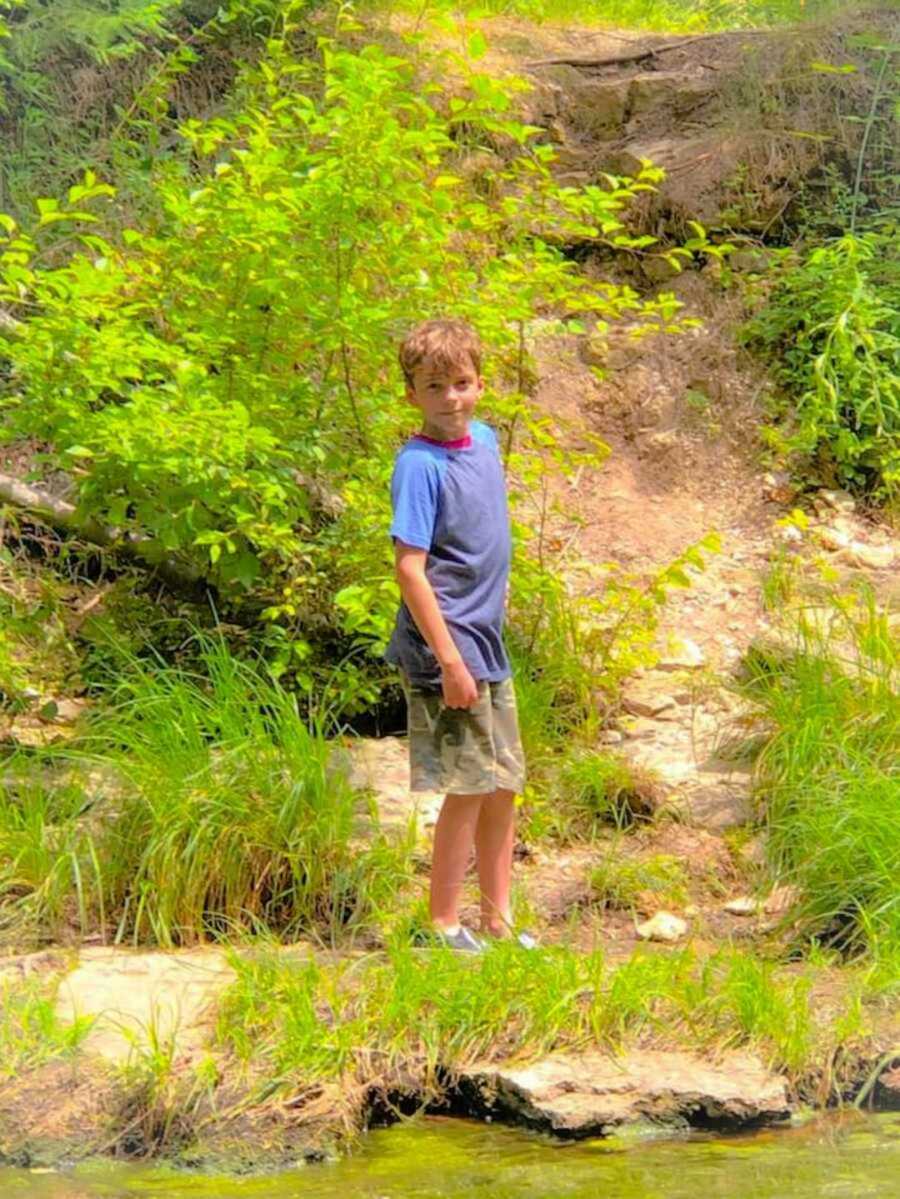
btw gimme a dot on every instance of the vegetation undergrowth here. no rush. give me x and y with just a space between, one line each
832 320
424 1009
688 16
829 316
828 773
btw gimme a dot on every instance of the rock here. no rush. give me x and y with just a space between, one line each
667 93
593 107
641 698
778 487
840 501
593 1094
752 258
664 926
780 900
381 765
131 995
743 905
687 656
658 269
869 557
832 539
776 903
753 852
718 801
610 737
789 533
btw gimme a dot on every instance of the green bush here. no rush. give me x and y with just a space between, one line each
832 323
219 382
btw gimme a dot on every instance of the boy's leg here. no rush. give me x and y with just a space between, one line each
454 838
494 852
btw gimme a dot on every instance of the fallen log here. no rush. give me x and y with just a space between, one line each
615 60
63 516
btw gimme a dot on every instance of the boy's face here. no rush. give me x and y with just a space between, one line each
446 397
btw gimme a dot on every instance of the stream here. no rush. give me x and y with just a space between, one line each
850 1155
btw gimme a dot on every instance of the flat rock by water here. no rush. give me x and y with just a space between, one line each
593 1094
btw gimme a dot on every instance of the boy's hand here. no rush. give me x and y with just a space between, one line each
460 689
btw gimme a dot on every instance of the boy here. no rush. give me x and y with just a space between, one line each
452 551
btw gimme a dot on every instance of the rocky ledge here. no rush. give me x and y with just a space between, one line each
595 1094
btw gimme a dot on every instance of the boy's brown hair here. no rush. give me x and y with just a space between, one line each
447 343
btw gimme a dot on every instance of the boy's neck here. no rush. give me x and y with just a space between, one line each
431 434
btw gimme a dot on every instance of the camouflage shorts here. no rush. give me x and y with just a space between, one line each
464 751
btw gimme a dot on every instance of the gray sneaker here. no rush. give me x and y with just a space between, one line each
462 940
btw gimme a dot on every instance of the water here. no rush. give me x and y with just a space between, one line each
852 1156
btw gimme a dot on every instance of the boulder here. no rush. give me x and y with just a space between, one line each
593 1094
594 108
381 765
718 801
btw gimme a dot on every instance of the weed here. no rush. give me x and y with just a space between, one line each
595 790
833 324
630 883
30 1034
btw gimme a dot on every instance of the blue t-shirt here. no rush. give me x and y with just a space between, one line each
449 498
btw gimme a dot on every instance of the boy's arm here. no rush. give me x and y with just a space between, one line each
457 683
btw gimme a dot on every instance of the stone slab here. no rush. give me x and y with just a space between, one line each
593 1094
133 996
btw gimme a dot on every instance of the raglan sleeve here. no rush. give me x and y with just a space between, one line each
415 496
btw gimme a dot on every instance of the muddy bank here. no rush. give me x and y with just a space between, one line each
66 1112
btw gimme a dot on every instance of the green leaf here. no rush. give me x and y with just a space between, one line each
477 45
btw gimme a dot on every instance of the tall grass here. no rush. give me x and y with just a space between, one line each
829 774
417 1010
689 16
216 811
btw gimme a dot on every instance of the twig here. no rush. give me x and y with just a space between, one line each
870 121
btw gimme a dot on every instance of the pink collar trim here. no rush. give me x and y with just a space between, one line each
461 443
